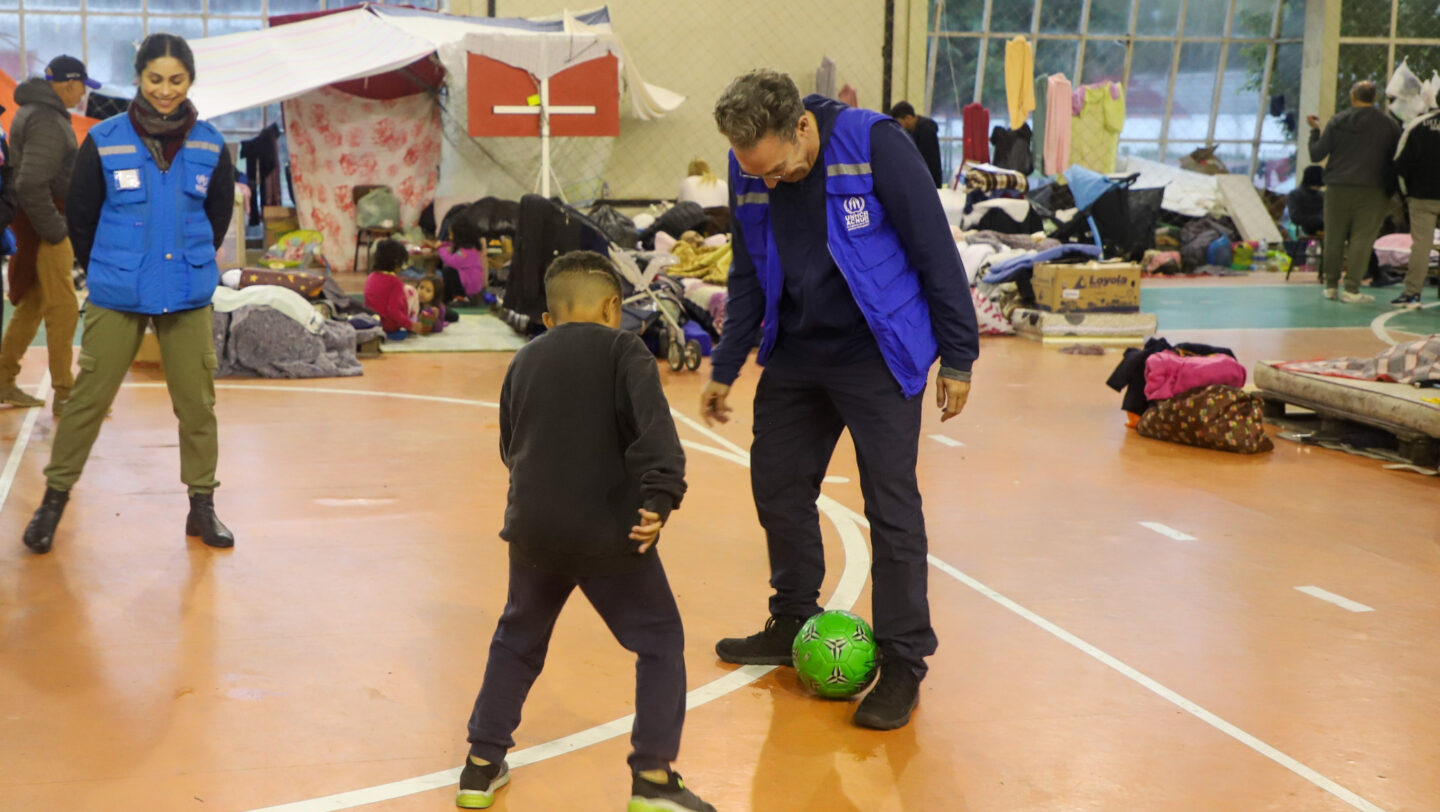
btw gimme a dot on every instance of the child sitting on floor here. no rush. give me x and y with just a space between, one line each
385 291
587 435
431 291
464 263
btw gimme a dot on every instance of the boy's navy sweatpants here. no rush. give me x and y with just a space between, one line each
640 611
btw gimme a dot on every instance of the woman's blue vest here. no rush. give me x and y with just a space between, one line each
154 249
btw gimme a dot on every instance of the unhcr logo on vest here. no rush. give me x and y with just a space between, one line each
855 215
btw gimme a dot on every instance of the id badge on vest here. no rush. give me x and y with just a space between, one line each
126 179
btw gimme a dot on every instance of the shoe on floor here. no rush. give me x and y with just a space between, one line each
889 704
1329 293
40 533
15 396
672 796
769 646
1355 298
202 522
478 784
1409 301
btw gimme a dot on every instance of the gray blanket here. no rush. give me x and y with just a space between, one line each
261 342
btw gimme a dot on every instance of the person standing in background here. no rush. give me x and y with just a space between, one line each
42 145
1360 145
926 134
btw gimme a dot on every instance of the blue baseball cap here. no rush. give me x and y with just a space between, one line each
68 68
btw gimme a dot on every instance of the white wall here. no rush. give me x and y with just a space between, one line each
695 47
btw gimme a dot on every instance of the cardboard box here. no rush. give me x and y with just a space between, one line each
279 221
1094 287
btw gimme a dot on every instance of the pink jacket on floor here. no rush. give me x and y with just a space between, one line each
1168 374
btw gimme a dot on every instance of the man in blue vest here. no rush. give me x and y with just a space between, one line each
845 268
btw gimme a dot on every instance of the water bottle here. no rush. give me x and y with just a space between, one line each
1262 250
1312 254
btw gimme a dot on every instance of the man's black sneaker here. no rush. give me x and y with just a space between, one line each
671 796
1409 301
478 784
769 646
891 702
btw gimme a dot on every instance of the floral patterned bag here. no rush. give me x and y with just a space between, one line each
1219 417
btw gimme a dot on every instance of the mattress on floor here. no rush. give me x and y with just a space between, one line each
1395 405
1044 324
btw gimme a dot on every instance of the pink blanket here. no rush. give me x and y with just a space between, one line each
1168 374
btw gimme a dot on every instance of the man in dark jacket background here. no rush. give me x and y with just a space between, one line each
42 154
1360 145
1418 163
926 134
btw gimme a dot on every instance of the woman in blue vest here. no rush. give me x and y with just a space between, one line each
149 204
845 269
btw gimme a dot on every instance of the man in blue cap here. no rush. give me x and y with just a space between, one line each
42 154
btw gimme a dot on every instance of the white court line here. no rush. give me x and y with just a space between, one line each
332 391
1148 683
22 439
950 441
847 591
1166 530
1377 325
1330 597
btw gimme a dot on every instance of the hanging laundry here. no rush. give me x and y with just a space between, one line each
977 128
1012 149
262 165
1095 133
1019 80
1057 124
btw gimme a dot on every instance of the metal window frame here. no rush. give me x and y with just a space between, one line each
1179 39
1391 42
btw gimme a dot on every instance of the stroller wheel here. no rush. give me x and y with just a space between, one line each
675 354
692 355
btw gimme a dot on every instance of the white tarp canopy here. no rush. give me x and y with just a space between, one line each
256 68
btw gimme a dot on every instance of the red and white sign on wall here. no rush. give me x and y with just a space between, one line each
505 101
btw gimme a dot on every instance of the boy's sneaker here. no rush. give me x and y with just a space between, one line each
769 646
1355 298
892 700
1409 301
672 796
478 784
1329 293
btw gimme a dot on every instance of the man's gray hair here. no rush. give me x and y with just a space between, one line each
760 103
1364 91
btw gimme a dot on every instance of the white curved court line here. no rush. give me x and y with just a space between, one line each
1148 683
1377 325
847 591
22 440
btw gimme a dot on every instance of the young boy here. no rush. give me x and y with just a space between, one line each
587 435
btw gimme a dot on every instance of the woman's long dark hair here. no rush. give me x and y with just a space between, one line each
157 46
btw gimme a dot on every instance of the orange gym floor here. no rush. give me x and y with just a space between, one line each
1119 620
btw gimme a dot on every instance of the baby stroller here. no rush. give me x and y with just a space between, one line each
547 229
1115 216
647 308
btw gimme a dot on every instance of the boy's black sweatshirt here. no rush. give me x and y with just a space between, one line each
587 435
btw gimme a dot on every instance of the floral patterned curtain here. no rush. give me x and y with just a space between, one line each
338 141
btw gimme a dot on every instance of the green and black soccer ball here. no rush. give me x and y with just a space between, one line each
835 654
